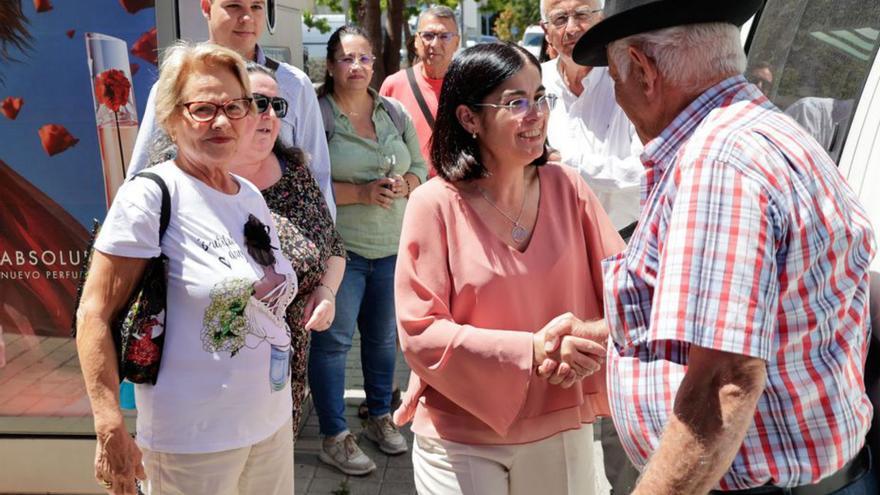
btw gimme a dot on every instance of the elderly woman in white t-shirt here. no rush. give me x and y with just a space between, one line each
218 418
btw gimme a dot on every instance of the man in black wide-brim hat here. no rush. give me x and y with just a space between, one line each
739 311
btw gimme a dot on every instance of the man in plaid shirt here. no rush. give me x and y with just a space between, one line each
739 311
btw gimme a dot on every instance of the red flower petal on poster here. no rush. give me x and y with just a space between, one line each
11 106
56 139
132 6
145 47
70 33
42 5
112 88
134 68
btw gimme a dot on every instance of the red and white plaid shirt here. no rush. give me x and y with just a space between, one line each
750 242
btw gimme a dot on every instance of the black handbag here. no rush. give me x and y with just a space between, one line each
139 328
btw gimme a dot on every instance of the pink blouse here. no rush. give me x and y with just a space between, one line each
468 305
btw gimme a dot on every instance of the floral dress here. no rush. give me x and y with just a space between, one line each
308 238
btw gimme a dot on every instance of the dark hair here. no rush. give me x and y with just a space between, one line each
255 68
473 75
292 154
544 54
333 45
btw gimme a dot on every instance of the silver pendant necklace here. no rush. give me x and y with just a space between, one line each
518 233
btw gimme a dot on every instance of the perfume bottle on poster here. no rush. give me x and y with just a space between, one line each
115 109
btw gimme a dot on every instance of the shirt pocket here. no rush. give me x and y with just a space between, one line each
627 303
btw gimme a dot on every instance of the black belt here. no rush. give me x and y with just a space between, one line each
850 472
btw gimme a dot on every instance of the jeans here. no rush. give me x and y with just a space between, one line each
867 484
365 299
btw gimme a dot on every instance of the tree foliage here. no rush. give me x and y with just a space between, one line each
514 16
387 38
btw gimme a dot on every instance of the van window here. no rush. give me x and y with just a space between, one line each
533 39
812 59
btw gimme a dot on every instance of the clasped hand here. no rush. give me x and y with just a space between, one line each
567 349
384 191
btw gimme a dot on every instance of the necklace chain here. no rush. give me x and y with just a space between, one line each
518 233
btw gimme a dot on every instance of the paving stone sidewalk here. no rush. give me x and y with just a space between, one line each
394 475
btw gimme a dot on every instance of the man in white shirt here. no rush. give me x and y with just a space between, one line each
238 24
590 132
587 128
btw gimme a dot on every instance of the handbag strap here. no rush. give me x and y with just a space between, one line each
420 99
165 214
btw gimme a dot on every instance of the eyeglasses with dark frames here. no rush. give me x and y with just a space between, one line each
521 106
362 60
580 16
430 36
277 103
206 111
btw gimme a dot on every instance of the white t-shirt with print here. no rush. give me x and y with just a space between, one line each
214 390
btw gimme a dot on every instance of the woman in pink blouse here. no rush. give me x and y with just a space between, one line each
494 253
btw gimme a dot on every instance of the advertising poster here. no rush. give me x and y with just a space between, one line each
74 77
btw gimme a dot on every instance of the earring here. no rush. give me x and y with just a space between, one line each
474 134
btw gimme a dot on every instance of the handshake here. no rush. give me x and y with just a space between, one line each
567 349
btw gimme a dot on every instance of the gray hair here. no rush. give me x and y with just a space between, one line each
440 12
601 5
687 57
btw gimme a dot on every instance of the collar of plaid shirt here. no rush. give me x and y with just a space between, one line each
660 151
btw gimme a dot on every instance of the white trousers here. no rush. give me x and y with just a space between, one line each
559 465
265 468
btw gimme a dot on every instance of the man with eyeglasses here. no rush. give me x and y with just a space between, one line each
589 131
418 87
587 128
238 25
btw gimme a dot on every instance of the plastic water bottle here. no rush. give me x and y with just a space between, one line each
126 395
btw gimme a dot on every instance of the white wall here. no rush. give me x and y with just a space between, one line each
285 44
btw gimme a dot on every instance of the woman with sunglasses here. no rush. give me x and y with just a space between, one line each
308 238
496 252
375 164
218 418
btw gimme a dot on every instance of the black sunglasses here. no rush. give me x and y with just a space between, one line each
277 103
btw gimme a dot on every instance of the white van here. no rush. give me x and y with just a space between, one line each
817 61
315 45
314 41
532 38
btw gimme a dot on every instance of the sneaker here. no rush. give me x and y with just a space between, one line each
381 429
342 452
